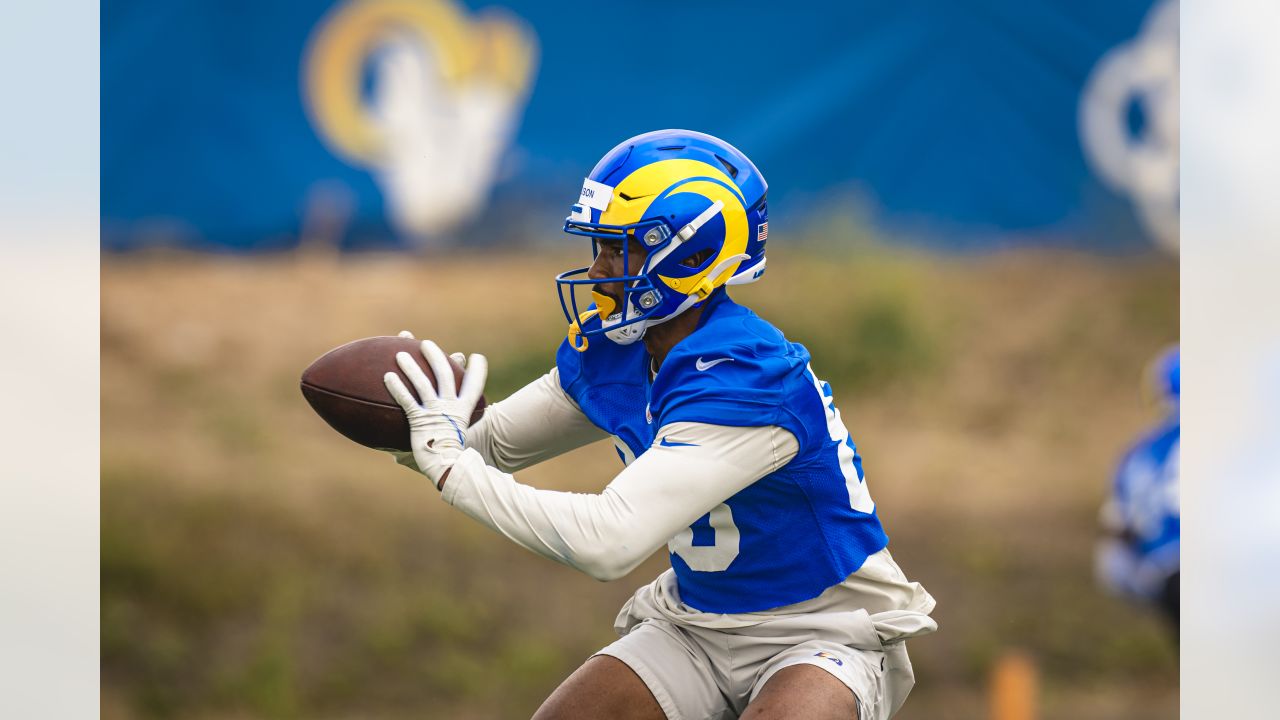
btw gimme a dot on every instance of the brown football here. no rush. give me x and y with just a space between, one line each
344 387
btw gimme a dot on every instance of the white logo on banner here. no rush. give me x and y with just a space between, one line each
1142 71
424 96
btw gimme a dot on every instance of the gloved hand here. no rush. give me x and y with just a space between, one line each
437 424
403 458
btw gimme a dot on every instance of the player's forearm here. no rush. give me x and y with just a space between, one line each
607 535
535 423
579 530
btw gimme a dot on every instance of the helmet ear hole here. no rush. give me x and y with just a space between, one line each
698 259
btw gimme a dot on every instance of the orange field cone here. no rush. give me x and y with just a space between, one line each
1014 687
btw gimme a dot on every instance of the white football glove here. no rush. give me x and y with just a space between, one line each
406 458
438 424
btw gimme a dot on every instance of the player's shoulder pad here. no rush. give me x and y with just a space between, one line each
734 370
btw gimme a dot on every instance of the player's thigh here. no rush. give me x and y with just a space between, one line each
803 691
603 687
819 679
656 670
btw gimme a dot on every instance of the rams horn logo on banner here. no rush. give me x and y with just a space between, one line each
444 100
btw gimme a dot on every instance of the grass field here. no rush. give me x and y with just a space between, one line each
255 564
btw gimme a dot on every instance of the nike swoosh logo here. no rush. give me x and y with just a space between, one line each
704 366
667 443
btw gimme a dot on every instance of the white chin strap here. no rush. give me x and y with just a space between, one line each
635 331
624 335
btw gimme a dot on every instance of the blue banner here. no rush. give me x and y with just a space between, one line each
254 126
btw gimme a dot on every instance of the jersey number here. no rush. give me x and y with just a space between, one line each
711 543
859 497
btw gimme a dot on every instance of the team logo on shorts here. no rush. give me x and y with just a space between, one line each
828 656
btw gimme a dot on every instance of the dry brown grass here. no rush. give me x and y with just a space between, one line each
256 564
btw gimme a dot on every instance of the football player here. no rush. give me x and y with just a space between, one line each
1139 554
782 598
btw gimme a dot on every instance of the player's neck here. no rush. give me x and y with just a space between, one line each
659 339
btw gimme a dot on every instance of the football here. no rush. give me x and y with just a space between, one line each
344 386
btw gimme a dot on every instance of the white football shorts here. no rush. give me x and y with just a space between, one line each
704 673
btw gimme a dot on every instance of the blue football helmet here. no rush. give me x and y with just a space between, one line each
678 193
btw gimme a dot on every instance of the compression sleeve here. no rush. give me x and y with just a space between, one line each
537 422
663 491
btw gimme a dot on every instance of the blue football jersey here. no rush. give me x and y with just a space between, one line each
788 536
1145 493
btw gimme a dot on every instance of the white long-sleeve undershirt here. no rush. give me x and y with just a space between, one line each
608 534
535 423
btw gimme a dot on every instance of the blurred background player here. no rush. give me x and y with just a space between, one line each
1138 557
782 599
